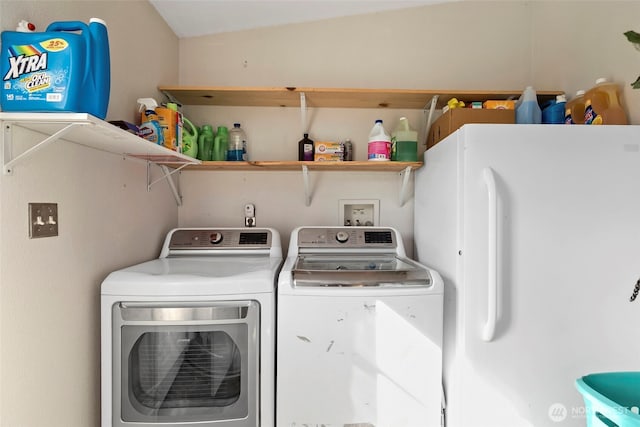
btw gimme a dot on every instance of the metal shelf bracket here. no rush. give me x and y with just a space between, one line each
404 185
9 161
166 173
307 189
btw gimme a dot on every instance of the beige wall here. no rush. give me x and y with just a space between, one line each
49 288
473 45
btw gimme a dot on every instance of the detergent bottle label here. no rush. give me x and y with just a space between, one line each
36 72
591 117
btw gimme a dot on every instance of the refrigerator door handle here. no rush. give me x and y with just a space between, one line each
489 329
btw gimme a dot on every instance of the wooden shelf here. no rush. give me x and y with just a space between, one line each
297 166
332 97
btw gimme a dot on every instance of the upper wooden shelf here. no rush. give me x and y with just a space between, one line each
331 97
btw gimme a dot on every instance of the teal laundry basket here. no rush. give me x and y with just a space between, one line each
611 399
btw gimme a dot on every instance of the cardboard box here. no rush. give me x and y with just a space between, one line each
332 157
324 147
452 120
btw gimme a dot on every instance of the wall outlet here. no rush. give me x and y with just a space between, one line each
359 212
249 215
43 220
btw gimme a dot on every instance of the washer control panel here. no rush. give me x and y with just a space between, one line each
204 239
346 237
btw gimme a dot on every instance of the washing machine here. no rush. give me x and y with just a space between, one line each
359 335
188 339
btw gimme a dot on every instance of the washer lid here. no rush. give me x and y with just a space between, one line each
332 270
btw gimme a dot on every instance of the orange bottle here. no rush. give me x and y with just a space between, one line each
574 109
602 105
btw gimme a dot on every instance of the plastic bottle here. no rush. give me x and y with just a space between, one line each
150 128
404 142
554 111
305 149
574 109
64 68
205 143
220 144
189 138
379 147
602 104
527 108
237 149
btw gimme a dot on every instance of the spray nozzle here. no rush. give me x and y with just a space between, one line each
147 104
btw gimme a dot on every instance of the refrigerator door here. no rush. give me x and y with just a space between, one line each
547 226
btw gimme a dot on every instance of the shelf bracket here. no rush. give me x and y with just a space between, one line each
404 185
166 173
303 112
7 142
307 189
431 107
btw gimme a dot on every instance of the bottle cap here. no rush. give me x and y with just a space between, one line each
602 80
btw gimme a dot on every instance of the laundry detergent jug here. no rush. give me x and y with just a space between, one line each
65 68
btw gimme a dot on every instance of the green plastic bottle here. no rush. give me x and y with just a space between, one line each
220 143
205 143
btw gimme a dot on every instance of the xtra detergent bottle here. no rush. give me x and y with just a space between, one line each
65 68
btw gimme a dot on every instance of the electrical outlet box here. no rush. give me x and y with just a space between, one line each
249 215
43 220
359 212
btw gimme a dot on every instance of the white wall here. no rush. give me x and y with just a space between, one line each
50 288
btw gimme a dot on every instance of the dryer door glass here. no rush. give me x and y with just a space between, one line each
175 372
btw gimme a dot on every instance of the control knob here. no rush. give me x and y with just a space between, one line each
342 236
215 238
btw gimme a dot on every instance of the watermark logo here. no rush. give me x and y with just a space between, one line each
557 412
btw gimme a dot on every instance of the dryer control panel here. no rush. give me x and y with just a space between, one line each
206 239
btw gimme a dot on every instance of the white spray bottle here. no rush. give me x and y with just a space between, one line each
150 128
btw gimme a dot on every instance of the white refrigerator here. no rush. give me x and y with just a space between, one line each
535 230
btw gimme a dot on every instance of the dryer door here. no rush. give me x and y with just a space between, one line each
187 363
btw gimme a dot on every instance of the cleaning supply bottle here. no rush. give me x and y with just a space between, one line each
574 109
305 149
220 144
150 128
554 111
205 143
189 138
237 149
602 105
527 108
64 68
379 146
404 142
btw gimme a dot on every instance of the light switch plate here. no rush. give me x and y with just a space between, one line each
43 220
